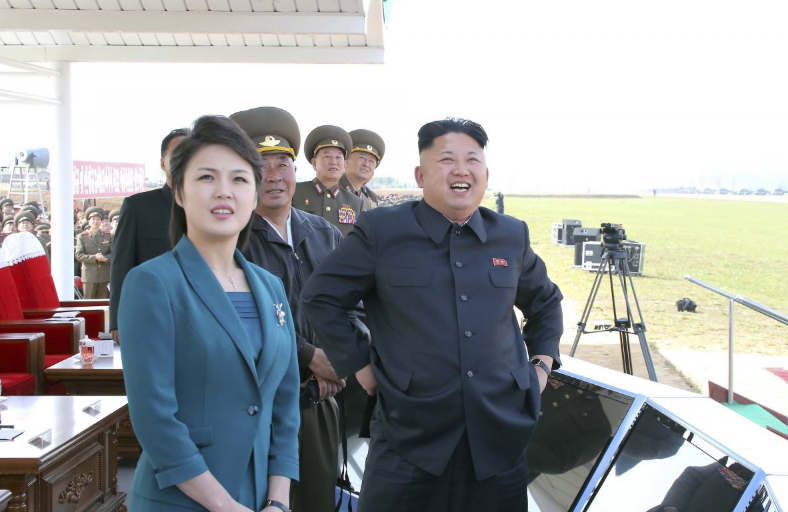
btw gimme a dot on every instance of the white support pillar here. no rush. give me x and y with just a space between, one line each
61 188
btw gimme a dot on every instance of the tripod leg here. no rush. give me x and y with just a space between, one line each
626 352
652 374
581 325
638 327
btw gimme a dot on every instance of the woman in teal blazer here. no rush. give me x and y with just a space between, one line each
209 353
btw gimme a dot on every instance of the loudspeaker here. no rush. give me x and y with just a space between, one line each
557 232
592 256
581 235
569 227
635 254
38 158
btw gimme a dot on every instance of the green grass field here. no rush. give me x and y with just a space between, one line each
738 246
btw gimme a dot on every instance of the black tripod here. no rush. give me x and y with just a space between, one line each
614 260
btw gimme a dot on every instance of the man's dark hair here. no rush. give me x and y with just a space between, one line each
178 132
431 131
210 131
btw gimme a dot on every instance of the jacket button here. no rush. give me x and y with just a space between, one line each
469 374
252 410
464 298
458 264
468 334
328 208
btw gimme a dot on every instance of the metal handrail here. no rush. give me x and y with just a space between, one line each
744 301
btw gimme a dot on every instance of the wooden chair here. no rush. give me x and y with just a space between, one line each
22 364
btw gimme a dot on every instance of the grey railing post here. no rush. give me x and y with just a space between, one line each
730 351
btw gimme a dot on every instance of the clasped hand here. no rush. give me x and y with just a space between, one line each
327 380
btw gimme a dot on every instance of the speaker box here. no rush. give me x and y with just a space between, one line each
581 235
557 232
569 228
635 253
591 256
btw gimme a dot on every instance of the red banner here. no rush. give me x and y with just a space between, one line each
107 179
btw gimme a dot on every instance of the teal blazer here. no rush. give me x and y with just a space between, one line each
193 390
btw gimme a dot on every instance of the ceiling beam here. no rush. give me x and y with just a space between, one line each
195 54
206 22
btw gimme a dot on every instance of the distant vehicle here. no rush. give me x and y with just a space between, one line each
724 191
762 192
709 191
779 191
745 192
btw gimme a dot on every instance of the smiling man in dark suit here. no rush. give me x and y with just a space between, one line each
143 229
458 394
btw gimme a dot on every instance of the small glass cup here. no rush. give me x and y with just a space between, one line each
86 350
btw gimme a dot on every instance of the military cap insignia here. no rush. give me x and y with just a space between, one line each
335 142
347 215
369 147
270 141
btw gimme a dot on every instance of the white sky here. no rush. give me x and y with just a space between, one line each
575 95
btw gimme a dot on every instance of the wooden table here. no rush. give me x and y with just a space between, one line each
103 377
78 469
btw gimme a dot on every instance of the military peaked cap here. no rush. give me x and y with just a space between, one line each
5 202
95 210
326 136
32 209
368 142
113 214
272 130
24 215
31 203
7 219
43 227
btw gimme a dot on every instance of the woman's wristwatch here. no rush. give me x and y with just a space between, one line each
280 506
544 366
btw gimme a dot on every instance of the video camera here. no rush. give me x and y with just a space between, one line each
613 235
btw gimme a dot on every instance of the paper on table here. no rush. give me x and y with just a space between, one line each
9 435
66 314
105 336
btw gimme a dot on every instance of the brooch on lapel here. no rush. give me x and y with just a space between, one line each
280 315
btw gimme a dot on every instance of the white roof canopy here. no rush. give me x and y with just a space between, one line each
280 31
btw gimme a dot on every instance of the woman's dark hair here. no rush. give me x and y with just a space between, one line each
431 131
210 131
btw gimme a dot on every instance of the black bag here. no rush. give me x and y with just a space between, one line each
686 304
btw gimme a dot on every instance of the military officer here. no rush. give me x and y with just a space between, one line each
114 217
7 207
8 227
42 233
327 146
94 248
24 221
365 156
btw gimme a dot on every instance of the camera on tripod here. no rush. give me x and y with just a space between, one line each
613 235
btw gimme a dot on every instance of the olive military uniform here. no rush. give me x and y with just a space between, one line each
335 204
365 141
95 274
338 206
